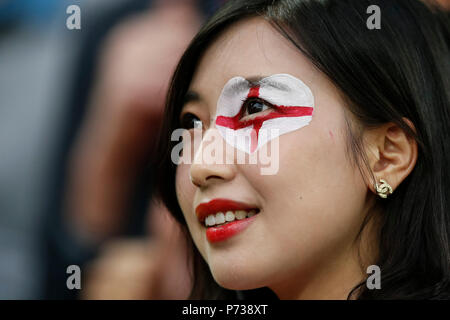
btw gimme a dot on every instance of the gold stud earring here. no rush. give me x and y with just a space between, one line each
383 189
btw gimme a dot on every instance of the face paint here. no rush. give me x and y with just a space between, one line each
291 100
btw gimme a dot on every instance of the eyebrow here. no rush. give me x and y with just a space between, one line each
191 96
254 81
263 80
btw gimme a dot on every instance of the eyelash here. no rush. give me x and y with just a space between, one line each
186 118
247 101
184 123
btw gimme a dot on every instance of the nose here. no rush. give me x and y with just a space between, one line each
205 171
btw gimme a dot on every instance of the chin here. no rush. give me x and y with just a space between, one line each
236 278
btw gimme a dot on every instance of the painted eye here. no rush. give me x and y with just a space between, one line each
190 121
254 106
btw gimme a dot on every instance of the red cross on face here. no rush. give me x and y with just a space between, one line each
287 96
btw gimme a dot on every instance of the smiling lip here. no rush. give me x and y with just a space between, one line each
225 231
219 205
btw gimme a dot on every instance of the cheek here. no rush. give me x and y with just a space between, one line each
314 202
185 191
185 195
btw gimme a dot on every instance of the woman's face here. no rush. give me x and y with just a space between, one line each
310 211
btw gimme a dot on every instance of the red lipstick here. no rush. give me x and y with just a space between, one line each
223 232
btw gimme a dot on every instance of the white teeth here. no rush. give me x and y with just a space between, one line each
210 220
251 213
220 218
240 214
229 216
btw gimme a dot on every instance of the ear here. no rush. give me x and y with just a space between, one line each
392 153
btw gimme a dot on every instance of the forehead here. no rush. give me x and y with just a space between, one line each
251 48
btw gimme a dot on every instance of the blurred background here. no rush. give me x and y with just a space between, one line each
79 111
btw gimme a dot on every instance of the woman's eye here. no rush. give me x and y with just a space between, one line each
255 106
190 121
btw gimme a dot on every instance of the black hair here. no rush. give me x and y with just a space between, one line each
400 71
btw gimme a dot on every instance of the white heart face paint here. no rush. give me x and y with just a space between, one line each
292 102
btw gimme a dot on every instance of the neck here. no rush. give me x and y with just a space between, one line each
333 282
334 277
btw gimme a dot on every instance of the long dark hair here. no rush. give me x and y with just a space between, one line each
386 75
